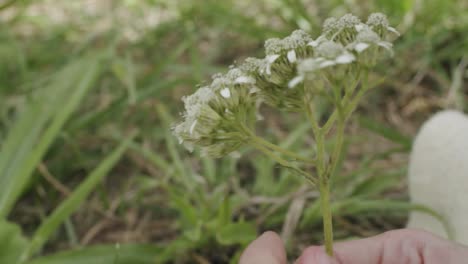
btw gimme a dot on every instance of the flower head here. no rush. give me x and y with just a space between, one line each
328 54
215 115
343 29
370 47
379 23
271 85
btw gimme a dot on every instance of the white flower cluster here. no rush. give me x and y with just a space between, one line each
345 46
216 116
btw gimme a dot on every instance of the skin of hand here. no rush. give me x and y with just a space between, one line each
404 246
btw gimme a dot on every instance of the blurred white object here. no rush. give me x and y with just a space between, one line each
438 174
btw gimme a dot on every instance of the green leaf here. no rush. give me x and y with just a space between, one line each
30 137
377 184
194 234
386 132
12 242
356 206
188 213
103 254
236 233
224 212
65 209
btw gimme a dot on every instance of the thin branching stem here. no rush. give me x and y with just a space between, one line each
313 181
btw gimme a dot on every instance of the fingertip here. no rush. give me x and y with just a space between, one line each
266 249
272 238
315 255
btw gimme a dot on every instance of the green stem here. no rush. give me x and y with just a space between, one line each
324 188
327 215
284 162
351 107
282 150
338 146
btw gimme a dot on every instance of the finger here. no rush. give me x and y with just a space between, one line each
266 249
399 246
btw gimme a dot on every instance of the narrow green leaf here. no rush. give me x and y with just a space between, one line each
377 184
12 242
386 132
236 233
357 206
29 140
224 212
72 203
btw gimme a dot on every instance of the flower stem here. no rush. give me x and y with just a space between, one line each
327 215
283 151
338 146
313 181
323 172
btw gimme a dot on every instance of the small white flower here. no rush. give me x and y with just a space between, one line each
393 30
295 81
327 63
359 27
292 56
345 58
318 41
361 46
270 59
244 79
192 127
226 93
366 38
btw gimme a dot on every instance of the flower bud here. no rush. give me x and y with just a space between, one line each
378 22
342 30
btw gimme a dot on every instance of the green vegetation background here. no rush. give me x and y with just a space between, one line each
89 170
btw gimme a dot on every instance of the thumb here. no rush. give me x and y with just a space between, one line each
266 249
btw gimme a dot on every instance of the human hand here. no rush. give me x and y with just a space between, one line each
393 247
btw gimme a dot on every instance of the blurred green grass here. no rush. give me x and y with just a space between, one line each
133 61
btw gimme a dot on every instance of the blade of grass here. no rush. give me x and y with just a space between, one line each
357 206
72 203
25 155
386 132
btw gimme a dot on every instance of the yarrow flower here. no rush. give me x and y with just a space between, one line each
298 74
328 54
273 73
370 47
342 30
217 116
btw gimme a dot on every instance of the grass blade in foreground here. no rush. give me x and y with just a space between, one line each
72 203
29 140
